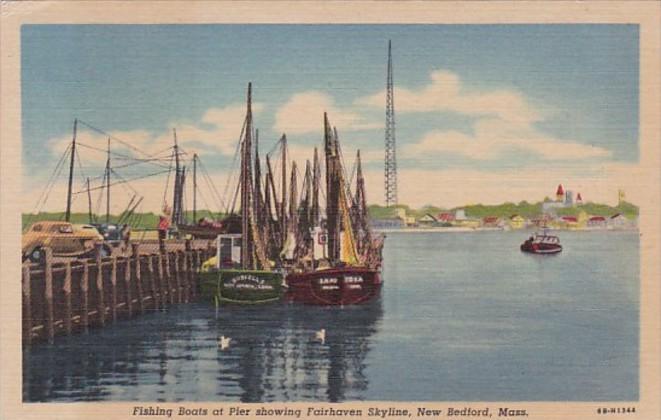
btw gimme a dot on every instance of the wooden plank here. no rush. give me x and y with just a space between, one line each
67 298
100 301
177 275
168 275
48 291
113 290
188 262
136 271
197 265
84 294
27 306
161 281
152 281
127 283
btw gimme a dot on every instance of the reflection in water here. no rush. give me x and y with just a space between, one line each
174 356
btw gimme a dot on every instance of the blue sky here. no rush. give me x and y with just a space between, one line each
487 99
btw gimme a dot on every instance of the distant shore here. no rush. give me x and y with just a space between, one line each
481 229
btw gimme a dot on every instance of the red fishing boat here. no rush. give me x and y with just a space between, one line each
542 244
337 261
334 286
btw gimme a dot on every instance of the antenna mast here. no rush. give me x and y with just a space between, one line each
390 161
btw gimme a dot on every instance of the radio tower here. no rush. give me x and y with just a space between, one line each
391 161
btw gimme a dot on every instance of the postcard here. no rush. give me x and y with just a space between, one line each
296 210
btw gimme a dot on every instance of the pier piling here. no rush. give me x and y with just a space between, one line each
60 296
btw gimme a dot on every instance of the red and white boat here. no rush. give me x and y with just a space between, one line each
339 263
542 244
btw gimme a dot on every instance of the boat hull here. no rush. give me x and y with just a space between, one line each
542 250
334 286
241 286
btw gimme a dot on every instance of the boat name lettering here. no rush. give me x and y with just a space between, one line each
327 280
353 279
247 281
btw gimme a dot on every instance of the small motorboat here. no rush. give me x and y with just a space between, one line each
542 244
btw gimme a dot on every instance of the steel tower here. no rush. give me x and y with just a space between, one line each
391 160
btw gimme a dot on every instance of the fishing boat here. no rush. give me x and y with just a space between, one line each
243 271
542 244
338 260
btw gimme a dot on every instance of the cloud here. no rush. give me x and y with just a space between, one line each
494 138
303 114
445 93
504 123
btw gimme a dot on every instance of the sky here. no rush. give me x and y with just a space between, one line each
484 113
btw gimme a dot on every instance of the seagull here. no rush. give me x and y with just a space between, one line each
224 342
320 336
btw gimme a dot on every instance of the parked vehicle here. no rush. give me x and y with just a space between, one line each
64 238
111 232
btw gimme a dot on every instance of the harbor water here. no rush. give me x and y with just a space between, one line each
461 317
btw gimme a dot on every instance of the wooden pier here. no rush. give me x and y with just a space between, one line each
72 296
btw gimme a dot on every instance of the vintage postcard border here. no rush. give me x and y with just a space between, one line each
645 13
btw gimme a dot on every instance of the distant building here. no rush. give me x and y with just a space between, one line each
460 214
388 223
542 221
579 199
560 193
445 217
517 222
427 220
550 206
569 198
491 221
618 220
597 221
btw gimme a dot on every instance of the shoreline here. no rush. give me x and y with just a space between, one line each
469 230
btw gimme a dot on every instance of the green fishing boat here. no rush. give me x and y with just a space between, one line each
242 286
243 270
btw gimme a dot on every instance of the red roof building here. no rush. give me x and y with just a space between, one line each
569 219
491 221
445 217
560 190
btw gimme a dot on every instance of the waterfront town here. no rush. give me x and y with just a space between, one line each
565 211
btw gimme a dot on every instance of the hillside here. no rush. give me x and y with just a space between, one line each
523 208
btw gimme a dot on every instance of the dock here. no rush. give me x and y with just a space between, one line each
69 296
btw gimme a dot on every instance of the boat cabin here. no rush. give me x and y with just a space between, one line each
545 239
228 252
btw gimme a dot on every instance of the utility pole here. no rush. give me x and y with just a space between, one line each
67 215
390 158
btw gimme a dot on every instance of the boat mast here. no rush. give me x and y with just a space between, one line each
67 215
316 175
176 199
89 202
257 189
194 187
332 193
246 149
283 202
108 183
293 197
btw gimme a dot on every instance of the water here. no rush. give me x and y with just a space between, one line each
462 316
